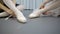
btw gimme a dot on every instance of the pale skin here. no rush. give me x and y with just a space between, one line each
14 11
18 14
43 9
7 10
51 7
44 3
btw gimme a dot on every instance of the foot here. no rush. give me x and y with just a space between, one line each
20 17
36 13
3 14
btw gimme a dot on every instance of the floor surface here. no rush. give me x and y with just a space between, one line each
41 25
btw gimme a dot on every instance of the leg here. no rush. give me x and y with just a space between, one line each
3 14
56 12
44 3
40 11
20 7
6 9
18 13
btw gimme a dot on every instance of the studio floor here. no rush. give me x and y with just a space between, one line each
41 25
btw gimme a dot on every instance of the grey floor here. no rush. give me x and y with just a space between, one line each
41 25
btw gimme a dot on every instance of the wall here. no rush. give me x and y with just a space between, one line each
30 4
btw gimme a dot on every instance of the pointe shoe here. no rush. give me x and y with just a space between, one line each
20 17
36 13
